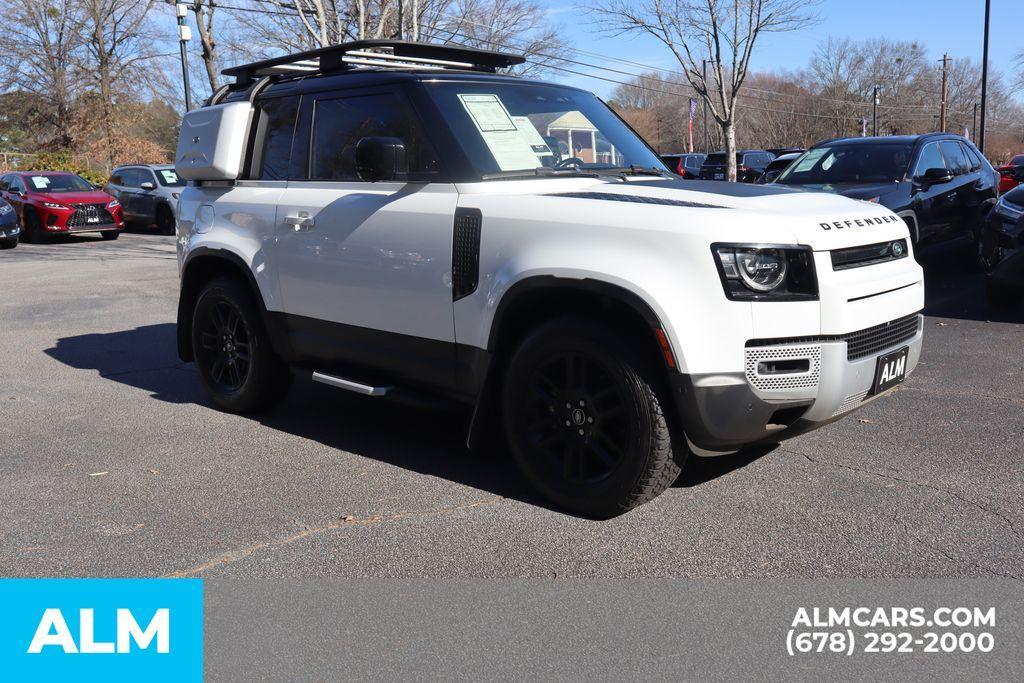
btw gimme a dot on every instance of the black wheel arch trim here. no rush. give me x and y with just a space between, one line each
188 294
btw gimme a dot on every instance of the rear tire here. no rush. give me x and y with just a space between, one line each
236 362
584 422
110 235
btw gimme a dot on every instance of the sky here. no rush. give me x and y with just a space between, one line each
953 26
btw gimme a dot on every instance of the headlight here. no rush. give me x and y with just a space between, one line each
5 209
114 204
52 205
777 273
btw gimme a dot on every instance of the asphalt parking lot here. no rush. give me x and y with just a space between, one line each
113 463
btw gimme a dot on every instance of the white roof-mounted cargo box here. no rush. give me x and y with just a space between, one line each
212 141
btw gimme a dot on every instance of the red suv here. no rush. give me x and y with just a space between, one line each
1012 174
60 203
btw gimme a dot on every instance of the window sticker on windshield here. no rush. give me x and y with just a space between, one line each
170 177
41 182
532 136
505 141
809 160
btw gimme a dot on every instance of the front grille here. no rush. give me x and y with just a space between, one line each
89 215
862 343
875 339
868 254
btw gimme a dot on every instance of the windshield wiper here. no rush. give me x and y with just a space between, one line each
633 169
540 172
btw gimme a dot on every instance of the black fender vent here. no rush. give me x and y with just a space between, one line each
636 199
466 252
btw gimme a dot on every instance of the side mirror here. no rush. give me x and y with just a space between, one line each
146 185
935 176
381 159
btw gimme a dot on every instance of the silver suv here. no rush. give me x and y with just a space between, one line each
148 193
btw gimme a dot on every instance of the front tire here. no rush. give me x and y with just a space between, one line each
237 365
9 244
584 422
165 220
110 235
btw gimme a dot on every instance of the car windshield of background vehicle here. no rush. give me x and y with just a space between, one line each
168 178
860 163
517 127
58 183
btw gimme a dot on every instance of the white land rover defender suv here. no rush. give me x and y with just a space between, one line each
397 219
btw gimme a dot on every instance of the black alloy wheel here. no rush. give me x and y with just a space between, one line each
578 417
225 346
237 365
584 422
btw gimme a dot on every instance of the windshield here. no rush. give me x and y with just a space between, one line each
58 183
516 127
168 178
858 163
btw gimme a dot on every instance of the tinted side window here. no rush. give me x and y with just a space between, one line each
277 141
339 125
930 158
146 176
115 179
972 157
954 155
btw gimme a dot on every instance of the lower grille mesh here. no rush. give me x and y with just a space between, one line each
88 215
862 343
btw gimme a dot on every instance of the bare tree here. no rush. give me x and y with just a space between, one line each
724 32
204 11
117 48
38 58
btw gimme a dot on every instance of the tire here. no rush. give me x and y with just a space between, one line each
1000 298
164 220
110 235
584 422
33 228
9 244
236 362
980 256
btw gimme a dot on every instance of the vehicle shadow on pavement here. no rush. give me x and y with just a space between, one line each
426 441
955 289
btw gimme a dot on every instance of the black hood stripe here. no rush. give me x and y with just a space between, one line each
636 199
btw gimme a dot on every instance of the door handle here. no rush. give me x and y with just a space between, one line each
300 223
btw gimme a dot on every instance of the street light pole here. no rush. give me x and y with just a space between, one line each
874 114
704 114
184 35
984 78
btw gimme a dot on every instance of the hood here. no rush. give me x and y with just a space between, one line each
729 211
856 190
68 198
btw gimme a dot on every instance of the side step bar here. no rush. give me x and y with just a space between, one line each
349 385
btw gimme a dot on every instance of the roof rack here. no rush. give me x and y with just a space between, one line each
389 54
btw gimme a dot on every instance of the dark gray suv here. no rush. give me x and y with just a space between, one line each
148 193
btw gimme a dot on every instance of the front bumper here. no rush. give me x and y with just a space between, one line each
76 219
9 231
723 412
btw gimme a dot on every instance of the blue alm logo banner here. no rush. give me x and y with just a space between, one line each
101 629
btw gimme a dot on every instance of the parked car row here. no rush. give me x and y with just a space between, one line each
38 205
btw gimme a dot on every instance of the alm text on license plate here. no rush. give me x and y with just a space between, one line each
891 370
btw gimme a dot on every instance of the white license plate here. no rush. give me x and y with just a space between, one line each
92 219
719 176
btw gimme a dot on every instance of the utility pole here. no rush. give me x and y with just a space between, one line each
874 115
942 107
184 35
984 78
704 115
974 123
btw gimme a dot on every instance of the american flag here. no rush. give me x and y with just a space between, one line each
693 109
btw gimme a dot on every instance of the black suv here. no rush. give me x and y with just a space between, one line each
750 164
939 183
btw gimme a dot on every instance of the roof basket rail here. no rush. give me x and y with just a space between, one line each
385 54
